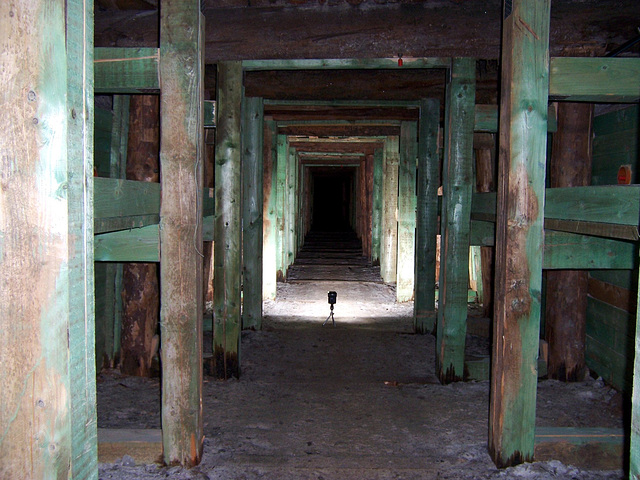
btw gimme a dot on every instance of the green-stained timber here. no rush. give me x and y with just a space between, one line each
127 70
376 213
252 159
486 119
290 208
227 230
424 310
584 79
345 64
634 461
134 245
457 179
181 160
269 257
281 184
389 240
406 212
519 230
79 112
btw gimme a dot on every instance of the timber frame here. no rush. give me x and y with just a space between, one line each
127 215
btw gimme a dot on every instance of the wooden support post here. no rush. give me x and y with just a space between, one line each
269 218
519 230
566 299
634 461
227 230
141 295
485 169
281 188
253 136
406 211
424 307
376 214
290 209
389 241
455 219
48 413
181 160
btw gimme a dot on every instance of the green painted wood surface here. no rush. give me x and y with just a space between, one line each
406 212
457 178
634 461
134 245
376 209
345 64
424 308
269 244
482 233
181 163
252 159
519 230
572 251
115 197
486 119
281 183
103 120
389 240
81 333
127 70
228 233
209 113
290 208
119 137
584 79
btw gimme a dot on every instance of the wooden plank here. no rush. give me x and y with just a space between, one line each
269 217
281 182
252 205
127 70
135 245
36 243
482 233
519 230
115 197
181 160
376 213
584 79
634 461
345 64
486 119
290 209
228 233
457 178
79 191
616 296
406 212
389 241
424 308
571 251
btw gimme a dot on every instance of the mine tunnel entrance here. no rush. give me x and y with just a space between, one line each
332 199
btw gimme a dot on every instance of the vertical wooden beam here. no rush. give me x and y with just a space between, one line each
389 241
141 294
519 230
181 160
455 220
566 290
227 231
281 189
290 209
269 218
46 229
406 211
424 307
376 215
252 159
634 461
81 333
484 144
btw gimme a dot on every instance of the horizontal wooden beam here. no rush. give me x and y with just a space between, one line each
588 79
126 70
346 64
125 198
135 245
572 251
487 119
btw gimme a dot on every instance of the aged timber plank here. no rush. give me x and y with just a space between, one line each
252 205
406 212
181 160
228 233
519 230
127 70
389 241
457 179
345 64
424 307
376 208
585 79
269 218
281 183
486 119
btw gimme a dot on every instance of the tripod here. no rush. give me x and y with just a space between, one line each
330 317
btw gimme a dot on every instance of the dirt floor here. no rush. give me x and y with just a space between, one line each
356 401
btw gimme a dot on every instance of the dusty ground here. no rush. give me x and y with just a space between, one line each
358 401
